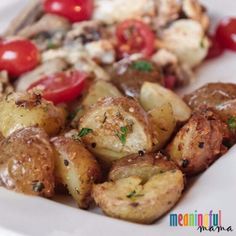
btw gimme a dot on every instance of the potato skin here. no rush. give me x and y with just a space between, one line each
128 199
143 166
199 142
106 118
19 110
27 162
211 95
76 168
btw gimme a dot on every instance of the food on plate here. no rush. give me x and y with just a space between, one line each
143 165
76 168
19 110
27 162
199 142
153 95
130 199
129 75
88 102
114 128
18 56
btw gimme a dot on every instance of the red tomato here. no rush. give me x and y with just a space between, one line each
134 36
226 33
61 87
216 48
73 10
170 81
18 56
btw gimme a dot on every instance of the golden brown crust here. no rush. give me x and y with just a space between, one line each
199 142
76 168
141 165
27 162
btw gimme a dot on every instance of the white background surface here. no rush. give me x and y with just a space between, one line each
214 190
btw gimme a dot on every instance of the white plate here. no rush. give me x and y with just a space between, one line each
213 190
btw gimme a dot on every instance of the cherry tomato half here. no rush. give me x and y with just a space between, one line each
18 56
61 87
226 33
216 48
134 36
73 10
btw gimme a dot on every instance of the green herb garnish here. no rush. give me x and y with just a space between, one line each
122 134
232 123
134 194
143 66
83 132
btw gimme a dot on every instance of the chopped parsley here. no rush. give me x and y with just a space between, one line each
83 132
122 134
232 123
134 194
143 66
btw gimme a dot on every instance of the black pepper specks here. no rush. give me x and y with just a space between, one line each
201 145
66 162
38 186
185 163
141 153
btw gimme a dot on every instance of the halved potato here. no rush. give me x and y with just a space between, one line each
129 199
19 110
76 168
100 89
141 165
27 162
114 128
199 142
163 124
154 95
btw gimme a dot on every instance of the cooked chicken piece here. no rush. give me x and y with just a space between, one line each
26 17
101 51
84 32
47 68
27 162
186 39
19 110
142 165
199 142
170 65
76 168
129 75
153 95
129 199
114 128
112 11
49 23
167 11
194 10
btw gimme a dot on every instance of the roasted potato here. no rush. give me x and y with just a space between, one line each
154 95
27 162
222 98
114 128
142 165
163 124
19 110
199 142
129 75
98 90
211 95
76 168
129 199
